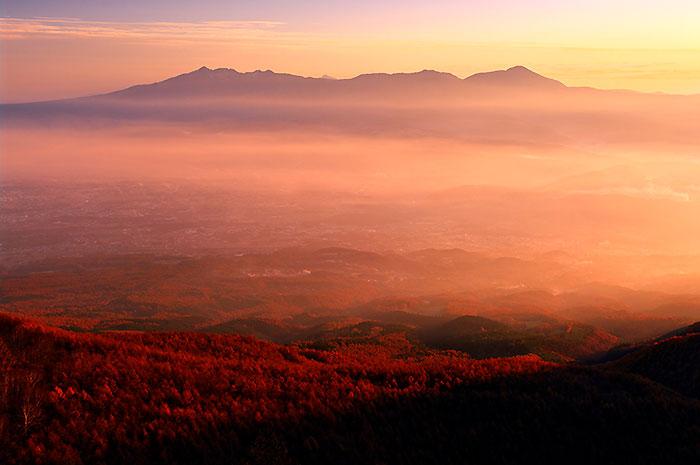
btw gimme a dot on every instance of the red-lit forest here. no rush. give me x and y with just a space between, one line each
187 397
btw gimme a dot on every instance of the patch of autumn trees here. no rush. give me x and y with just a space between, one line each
145 398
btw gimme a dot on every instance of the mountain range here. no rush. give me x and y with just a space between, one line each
516 104
206 82
427 84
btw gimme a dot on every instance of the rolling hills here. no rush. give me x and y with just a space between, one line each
321 296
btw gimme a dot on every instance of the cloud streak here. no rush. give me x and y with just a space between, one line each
52 28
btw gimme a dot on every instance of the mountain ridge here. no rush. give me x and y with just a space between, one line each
230 80
261 82
427 83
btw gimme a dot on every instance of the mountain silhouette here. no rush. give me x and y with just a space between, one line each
515 104
519 76
225 82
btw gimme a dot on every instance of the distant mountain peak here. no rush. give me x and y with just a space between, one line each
520 69
514 76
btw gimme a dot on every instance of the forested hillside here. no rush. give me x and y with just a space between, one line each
148 398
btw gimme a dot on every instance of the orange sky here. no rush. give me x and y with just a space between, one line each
615 44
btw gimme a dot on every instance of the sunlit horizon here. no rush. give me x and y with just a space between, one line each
89 48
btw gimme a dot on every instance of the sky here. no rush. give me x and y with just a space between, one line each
52 49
